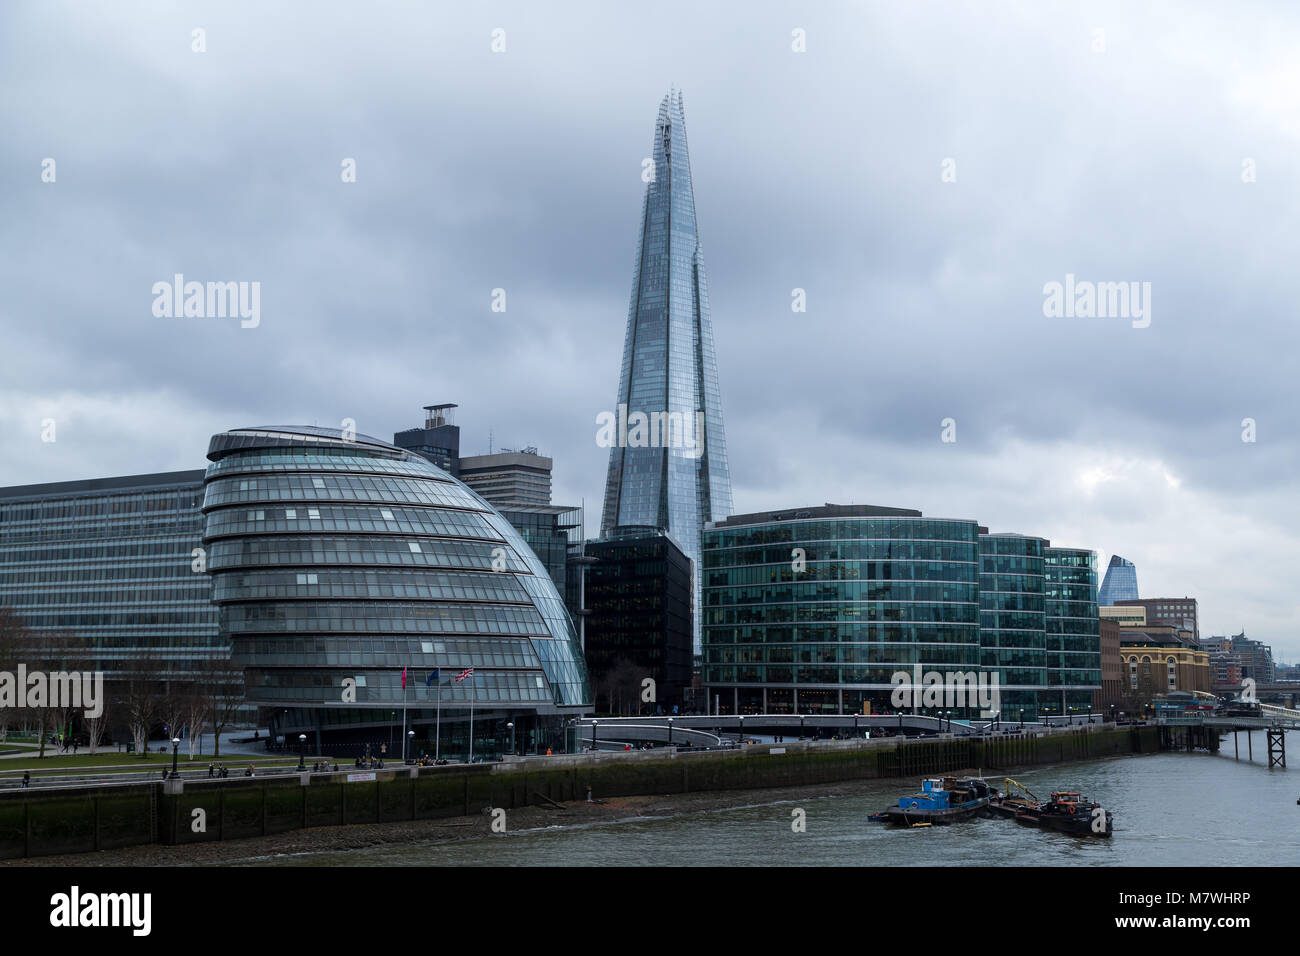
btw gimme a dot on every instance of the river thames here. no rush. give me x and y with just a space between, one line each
1170 809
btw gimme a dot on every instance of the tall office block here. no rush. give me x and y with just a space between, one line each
668 459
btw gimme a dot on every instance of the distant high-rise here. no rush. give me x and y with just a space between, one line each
668 456
1120 583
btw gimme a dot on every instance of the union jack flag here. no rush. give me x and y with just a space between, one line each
466 673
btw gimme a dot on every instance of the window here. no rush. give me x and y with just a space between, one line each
313 513
386 514
318 482
415 547
291 513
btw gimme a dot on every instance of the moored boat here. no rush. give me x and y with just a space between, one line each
941 800
1067 811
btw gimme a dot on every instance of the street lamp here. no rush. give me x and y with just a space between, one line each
302 750
742 730
410 746
510 726
176 746
855 726
1022 718
593 734
670 731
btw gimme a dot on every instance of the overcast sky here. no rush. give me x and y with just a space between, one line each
1114 142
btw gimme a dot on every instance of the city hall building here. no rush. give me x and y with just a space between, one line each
816 610
356 581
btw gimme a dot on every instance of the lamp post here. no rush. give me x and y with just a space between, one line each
670 731
801 733
510 726
593 734
855 726
742 730
302 750
410 748
1022 718
176 747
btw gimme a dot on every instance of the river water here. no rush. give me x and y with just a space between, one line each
1170 809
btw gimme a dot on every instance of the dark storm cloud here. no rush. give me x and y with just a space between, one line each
817 170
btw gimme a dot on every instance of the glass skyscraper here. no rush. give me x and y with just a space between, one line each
668 462
1120 583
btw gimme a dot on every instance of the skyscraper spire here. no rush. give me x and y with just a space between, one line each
668 467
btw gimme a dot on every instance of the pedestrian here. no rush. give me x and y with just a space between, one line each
27 778
548 751
212 771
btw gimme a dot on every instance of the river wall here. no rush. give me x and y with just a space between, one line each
42 822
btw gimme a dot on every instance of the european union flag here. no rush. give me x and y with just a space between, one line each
433 676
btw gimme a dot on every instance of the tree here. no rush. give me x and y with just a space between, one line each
140 698
14 638
221 683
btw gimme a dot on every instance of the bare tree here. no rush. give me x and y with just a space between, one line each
141 698
221 681
195 706
13 639
96 726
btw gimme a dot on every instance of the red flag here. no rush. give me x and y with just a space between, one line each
403 678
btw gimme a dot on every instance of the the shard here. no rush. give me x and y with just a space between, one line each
668 455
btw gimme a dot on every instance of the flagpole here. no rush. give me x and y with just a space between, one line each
403 715
473 692
437 725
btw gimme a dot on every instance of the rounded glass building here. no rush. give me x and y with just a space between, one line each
367 593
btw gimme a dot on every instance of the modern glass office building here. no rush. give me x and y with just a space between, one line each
1073 631
815 611
639 591
1013 621
113 563
663 473
1120 583
356 581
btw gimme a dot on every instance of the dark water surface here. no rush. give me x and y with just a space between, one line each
1171 809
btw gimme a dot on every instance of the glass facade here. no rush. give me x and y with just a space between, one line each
816 615
1073 631
345 559
112 562
639 598
816 611
1013 621
1120 584
669 482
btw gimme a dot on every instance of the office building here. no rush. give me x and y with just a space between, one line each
114 565
668 452
1120 583
639 591
356 582
509 478
1073 631
1180 612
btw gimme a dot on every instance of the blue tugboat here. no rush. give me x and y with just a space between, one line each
942 800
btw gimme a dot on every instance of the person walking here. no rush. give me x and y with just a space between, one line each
27 778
